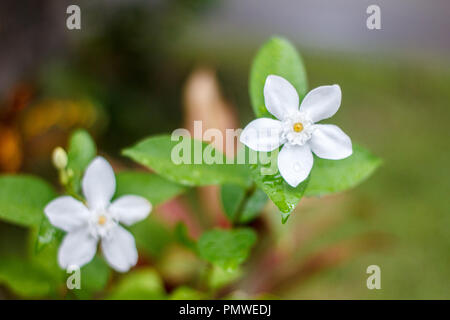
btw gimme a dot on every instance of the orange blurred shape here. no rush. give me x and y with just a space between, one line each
10 150
11 153
62 114
47 124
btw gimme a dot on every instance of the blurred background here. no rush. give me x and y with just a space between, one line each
138 68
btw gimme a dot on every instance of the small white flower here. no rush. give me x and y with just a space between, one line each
98 220
296 128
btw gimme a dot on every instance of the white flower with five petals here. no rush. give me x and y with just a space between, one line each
98 220
296 128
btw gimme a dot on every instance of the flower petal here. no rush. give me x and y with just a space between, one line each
322 102
130 209
99 183
262 134
280 97
119 249
330 142
77 248
295 163
67 213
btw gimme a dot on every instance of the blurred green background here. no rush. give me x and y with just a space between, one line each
123 74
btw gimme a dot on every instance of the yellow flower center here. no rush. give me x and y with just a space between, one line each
298 127
101 220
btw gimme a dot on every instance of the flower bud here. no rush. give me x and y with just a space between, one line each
59 158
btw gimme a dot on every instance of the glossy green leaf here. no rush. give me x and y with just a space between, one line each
241 204
278 57
142 284
81 151
328 176
226 248
268 179
150 186
156 153
23 198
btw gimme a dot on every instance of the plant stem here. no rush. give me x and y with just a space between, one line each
248 194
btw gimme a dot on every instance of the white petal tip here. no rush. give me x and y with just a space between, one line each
243 139
295 164
120 250
350 152
123 270
98 160
322 102
98 183
273 77
130 209
280 96
294 183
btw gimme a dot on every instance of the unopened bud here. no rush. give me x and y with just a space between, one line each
59 158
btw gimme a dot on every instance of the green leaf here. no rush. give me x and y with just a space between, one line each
254 206
143 284
284 217
46 234
94 278
25 278
46 258
150 186
226 248
278 57
235 198
328 176
156 154
23 198
231 197
182 237
269 180
152 237
219 277
81 152
187 293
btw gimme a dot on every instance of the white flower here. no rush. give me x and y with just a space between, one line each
296 128
97 221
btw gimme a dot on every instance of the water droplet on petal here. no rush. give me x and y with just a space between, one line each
297 166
